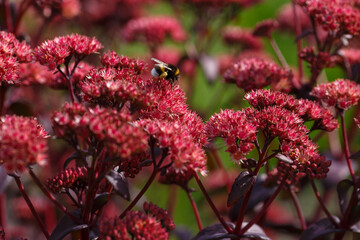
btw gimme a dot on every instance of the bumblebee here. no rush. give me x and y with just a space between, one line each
165 70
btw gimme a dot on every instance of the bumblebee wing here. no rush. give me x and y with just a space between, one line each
158 61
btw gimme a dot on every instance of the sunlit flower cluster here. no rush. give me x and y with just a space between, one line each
53 53
341 93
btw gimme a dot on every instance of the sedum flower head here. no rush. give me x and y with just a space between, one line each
341 93
254 73
183 151
113 229
112 59
235 128
70 178
53 53
160 214
22 143
154 30
12 53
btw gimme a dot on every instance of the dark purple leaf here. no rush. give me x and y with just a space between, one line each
66 225
255 232
305 33
215 231
182 233
343 188
283 158
100 200
355 155
259 194
210 65
4 179
355 213
240 187
73 156
320 228
120 183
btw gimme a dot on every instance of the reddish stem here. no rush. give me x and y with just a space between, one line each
346 147
172 199
298 209
318 197
51 197
7 15
3 89
141 193
195 209
264 208
22 9
298 43
31 206
68 79
221 166
2 210
212 205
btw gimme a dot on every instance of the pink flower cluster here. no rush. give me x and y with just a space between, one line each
34 74
219 3
112 59
70 178
160 214
154 30
318 60
153 226
22 143
12 53
305 109
235 128
53 53
340 16
341 93
183 151
241 37
112 128
254 73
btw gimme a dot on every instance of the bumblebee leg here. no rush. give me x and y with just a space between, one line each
163 75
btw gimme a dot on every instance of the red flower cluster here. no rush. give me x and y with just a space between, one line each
112 59
81 71
235 128
136 224
55 52
22 143
318 60
154 30
286 18
174 177
241 37
12 52
112 128
254 73
70 178
352 55
34 74
184 152
306 109
336 15
160 214
116 83
341 93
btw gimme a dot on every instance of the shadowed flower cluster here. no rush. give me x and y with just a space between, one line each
254 73
70 178
154 225
22 143
53 53
341 93
154 30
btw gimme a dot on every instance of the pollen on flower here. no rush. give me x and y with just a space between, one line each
342 93
22 143
254 73
154 30
70 178
53 53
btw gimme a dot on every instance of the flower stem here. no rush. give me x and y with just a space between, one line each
3 89
7 15
298 42
195 209
212 205
264 208
278 52
332 220
346 146
24 5
298 209
31 206
51 197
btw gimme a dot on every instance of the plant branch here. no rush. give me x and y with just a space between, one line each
298 208
195 209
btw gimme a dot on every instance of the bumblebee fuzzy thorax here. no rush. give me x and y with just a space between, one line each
165 70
